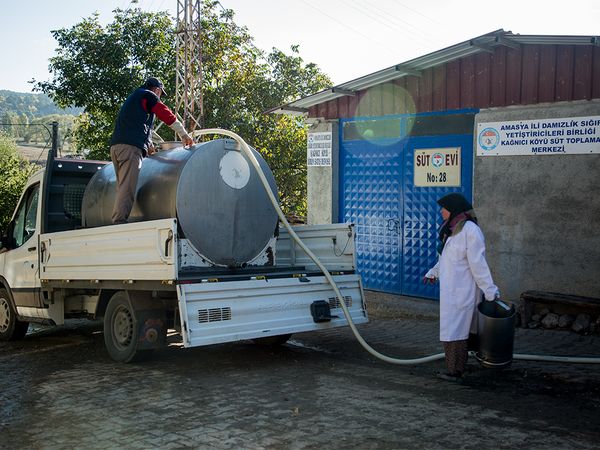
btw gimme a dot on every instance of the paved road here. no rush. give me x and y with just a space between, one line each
321 390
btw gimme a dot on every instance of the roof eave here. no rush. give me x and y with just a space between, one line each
487 42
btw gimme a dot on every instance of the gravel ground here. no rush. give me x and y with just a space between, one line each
320 390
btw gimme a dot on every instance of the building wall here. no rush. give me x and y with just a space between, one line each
540 214
323 182
528 75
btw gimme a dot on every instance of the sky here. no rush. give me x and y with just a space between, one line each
347 39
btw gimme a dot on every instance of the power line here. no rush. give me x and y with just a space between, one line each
261 52
161 5
123 3
395 17
28 125
391 51
43 150
33 125
391 21
419 13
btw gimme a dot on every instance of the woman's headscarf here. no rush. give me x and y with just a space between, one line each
461 211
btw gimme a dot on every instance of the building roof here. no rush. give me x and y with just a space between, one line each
485 43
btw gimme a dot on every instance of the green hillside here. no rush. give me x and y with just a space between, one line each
30 105
26 118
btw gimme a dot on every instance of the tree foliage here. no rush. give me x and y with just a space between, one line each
14 173
96 67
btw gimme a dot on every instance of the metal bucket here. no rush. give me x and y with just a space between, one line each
496 322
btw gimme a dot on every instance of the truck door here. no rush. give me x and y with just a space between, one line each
21 261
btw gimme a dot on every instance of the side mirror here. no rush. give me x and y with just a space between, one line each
7 241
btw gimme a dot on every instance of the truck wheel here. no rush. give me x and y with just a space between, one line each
11 329
121 333
272 341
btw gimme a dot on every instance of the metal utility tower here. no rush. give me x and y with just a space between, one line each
188 94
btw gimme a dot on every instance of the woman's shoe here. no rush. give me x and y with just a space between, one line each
447 376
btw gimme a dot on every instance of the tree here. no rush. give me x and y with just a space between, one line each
97 67
8 122
14 173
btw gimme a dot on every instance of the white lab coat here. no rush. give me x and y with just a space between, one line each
463 273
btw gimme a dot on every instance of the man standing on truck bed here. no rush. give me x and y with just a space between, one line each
131 141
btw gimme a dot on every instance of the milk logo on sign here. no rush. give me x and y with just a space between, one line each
489 138
437 160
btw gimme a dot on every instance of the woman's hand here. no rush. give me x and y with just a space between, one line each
429 280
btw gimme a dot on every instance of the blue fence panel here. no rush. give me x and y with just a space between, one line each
397 223
371 179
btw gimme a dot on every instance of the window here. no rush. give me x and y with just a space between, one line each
372 129
440 124
24 225
419 125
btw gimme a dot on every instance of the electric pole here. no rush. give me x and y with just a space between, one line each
188 88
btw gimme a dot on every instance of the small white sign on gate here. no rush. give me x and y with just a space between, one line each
435 167
318 149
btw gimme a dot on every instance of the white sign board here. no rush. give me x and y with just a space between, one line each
435 167
318 151
570 136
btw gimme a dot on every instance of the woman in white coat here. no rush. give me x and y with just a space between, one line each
463 274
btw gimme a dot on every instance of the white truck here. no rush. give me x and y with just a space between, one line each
147 277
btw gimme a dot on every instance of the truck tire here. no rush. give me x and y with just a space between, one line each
272 341
11 329
121 333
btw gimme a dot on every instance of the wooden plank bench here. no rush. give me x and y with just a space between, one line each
558 303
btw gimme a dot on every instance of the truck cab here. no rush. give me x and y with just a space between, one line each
51 201
19 264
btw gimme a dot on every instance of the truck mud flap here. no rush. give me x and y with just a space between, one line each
150 319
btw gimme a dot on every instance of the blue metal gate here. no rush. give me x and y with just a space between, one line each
396 222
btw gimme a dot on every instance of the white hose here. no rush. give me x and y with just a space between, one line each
559 359
312 256
550 358
157 137
331 281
